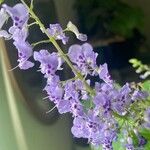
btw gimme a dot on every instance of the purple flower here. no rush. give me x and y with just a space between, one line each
139 95
18 13
50 62
56 31
102 102
129 147
142 141
24 53
64 106
104 74
3 19
147 115
54 90
71 91
79 128
83 57
20 16
72 95
107 144
19 35
122 100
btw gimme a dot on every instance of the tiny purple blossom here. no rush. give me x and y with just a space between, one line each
3 19
147 115
139 95
24 53
83 57
18 13
50 62
142 141
19 35
54 90
104 74
56 31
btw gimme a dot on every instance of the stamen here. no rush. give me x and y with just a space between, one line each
51 110
13 68
46 97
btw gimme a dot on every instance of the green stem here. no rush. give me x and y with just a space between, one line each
31 24
60 51
40 42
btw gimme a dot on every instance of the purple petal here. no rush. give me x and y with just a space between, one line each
26 65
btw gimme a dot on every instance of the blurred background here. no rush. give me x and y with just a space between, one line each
118 31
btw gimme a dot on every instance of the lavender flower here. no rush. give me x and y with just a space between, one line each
83 57
19 35
50 63
56 31
53 89
147 115
102 103
107 144
139 95
72 95
3 18
24 53
79 129
129 145
18 13
142 141
104 74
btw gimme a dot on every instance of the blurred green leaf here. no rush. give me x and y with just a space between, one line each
147 146
87 104
117 145
146 85
145 133
134 138
1 1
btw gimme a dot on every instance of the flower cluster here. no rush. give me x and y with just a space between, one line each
96 110
18 32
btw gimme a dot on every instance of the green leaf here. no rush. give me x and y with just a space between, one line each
117 145
1 1
134 138
147 146
87 104
146 85
145 133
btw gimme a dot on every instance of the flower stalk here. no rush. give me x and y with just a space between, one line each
60 51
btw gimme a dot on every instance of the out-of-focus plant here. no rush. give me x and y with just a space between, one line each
141 68
108 18
144 70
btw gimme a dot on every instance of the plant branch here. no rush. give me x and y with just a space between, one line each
60 51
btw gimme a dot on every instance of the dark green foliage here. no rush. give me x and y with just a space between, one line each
109 17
